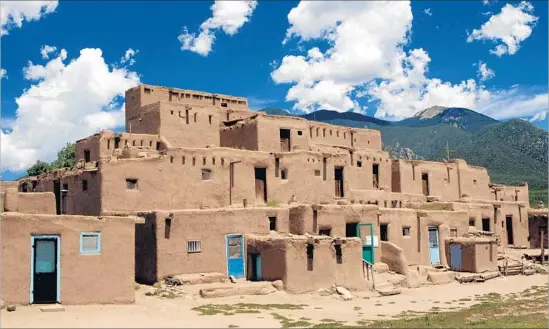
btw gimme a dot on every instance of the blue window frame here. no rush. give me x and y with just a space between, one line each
90 243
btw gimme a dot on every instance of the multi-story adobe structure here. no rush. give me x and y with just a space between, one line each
213 180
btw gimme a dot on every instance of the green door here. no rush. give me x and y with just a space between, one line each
366 234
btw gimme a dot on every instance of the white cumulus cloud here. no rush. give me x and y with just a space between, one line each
46 51
484 72
65 102
14 13
428 12
3 74
129 57
228 16
507 29
362 45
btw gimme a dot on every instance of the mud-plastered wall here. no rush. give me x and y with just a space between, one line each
107 277
271 129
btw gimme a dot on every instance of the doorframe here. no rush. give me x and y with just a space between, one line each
242 250
436 229
371 225
58 263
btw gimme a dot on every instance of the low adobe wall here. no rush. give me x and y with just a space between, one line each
85 279
29 203
286 259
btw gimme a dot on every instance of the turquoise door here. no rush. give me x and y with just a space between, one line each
455 257
366 234
235 255
45 269
434 250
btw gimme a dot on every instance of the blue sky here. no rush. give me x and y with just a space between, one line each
425 59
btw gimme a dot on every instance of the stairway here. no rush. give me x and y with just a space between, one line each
510 267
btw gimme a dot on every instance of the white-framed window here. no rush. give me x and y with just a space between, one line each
90 243
194 246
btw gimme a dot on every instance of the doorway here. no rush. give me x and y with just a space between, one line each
486 224
509 226
375 171
338 176
366 234
434 251
57 192
45 269
425 183
285 140
384 232
235 255
261 184
256 267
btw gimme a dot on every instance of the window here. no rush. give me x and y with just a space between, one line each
472 222
206 174
194 115
90 243
454 232
147 91
84 185
474 182
194 246
272 223
359 164
131 184
284 174
210 119
317 172
87 156
299 132
406 231
223 104
325 231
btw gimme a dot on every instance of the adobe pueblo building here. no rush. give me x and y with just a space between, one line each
198 183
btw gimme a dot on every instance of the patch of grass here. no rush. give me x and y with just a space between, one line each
528 310
214 309
465 300
378 304
233 326
357 308
289 323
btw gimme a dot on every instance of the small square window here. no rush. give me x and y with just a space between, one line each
453 232
284 174
325 231
359 164
317 172
299 132
131 184
194 246
406 231
474 182
206 174
90 243
272 223
472 222
84 185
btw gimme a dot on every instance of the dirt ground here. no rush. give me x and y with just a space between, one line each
271 311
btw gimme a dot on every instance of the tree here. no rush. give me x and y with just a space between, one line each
38 168
65 159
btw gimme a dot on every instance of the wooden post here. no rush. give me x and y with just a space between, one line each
542 247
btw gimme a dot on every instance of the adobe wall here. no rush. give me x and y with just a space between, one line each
386 199
300 274
240 135
272 251
8 184
170 182
268 128
474 181
210 226
362 163
537 222
327 134
443 178
415 246
143 95
28 203
85 279
511 193
519 217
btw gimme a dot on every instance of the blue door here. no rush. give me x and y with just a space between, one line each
366 234
434 251
235 255
455 257
45 283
